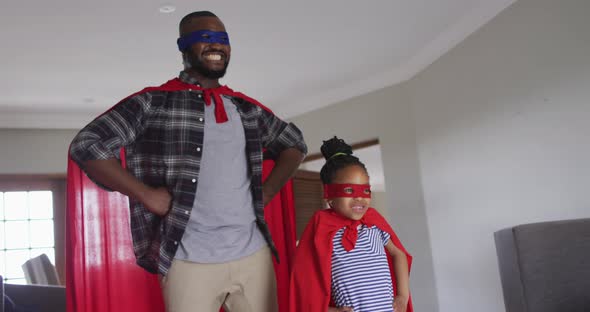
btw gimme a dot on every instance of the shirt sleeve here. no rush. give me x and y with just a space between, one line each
384 236
103 137
278 135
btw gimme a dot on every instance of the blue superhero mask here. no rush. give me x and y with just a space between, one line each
205 36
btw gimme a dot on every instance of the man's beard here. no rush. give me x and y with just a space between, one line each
197 65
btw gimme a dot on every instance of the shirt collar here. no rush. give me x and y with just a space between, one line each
186 78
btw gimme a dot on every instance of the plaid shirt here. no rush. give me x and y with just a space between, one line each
162 133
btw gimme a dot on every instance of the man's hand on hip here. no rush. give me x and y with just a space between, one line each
157 200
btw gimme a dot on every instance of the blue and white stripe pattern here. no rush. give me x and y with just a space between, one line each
361 278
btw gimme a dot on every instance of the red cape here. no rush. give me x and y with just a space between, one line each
177 85
310 286
118 284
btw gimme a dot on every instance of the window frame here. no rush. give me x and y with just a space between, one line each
56 183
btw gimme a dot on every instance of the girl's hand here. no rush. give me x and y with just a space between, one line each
400 303
341 309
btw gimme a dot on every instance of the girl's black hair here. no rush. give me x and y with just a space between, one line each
338 156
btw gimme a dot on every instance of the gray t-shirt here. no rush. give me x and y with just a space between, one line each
222 224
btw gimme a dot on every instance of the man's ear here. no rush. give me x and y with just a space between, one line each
185 61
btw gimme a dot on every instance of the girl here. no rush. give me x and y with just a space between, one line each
348 258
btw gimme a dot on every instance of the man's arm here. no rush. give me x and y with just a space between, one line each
95 148
285 166
284 143
109 173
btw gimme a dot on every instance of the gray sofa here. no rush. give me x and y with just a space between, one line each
545 267
37 298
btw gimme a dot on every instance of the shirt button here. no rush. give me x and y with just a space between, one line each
200 95
194 180
198 149
190 89
175 243
186 212
201 119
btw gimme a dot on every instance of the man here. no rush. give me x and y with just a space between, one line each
194 177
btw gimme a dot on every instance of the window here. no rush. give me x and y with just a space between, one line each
30 223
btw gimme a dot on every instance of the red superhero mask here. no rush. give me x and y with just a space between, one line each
347 190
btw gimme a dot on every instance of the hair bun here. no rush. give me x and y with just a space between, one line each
335 147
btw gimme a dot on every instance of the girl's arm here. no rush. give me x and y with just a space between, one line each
400 266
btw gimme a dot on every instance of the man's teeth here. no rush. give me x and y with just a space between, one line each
213 57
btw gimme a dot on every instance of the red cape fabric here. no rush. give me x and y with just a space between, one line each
102 275
310 284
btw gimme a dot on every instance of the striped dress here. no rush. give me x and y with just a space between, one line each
361 278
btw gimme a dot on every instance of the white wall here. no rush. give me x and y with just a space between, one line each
503 124
386 115
34 151
380 202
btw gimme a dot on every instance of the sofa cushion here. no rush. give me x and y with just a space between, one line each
545 267
38 298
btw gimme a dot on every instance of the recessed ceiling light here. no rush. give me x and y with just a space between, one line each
167 9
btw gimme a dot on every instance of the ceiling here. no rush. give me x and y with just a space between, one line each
63 62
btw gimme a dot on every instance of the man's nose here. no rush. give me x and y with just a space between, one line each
216 45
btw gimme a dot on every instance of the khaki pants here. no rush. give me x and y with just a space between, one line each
244 285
